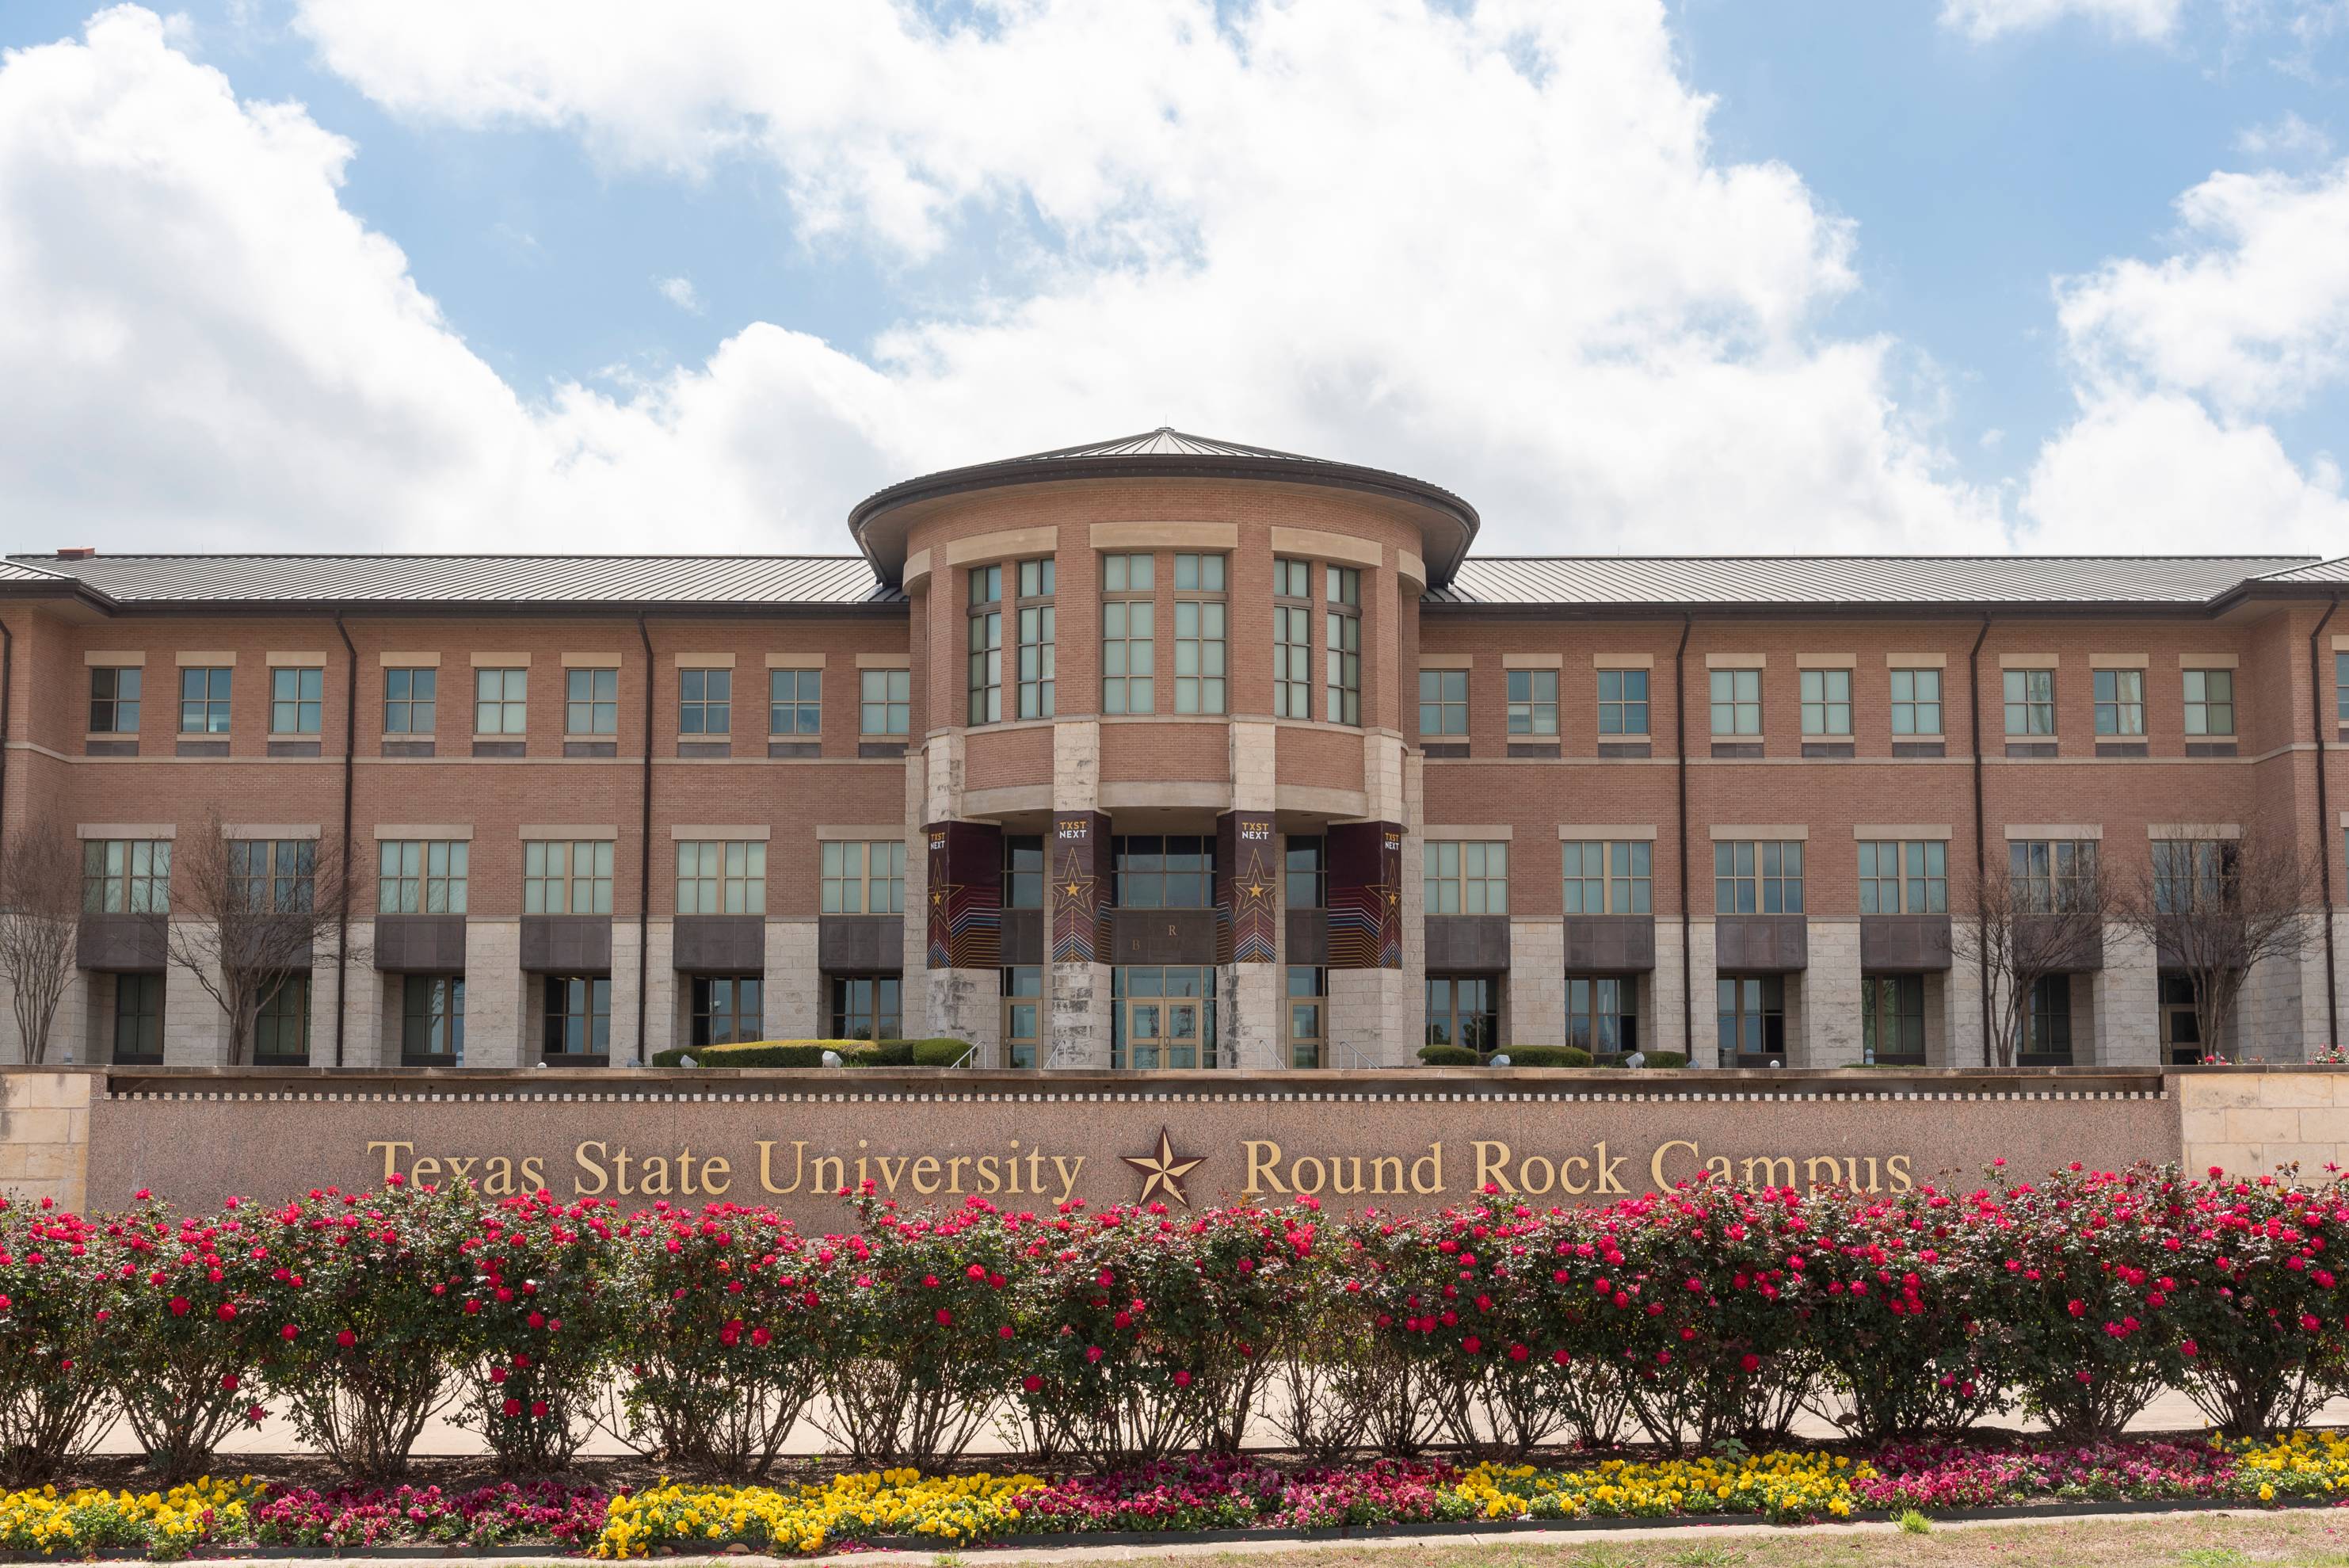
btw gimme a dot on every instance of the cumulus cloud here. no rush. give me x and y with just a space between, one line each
679 292
1986 19
2286 135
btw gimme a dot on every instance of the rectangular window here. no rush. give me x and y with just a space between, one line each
795 702
1622 701
2210 701
407 701
2193 874
421 875
885 701
1607 877
1892 1018
1827 702
280 1032
1757 877
1910 877
865 1007
1036 634
721 877
1752 1011
1022 988
432 1021
500 701
590 704
273 873
2120 702
1305 871
986 645
1165 871
296 699
863 876
705 702
1532 701
1344 645
114 701
2029 701
1199 630
139 1018
126 877
1463 1009
562 876
203 700
2047 1030
2341 687
2053 876
1466 877
1443 701
1916 702
1602 1013
1736 701
578 1015
728 1009
1129 635
1023 871
1292 644
1308 988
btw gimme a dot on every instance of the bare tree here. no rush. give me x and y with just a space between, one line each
40 920
2033 918
253 912
2215 908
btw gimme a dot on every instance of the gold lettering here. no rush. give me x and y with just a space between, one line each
839 1174
1606 1169
888 1176
717 1175
926 1176
954 1173
1811 1170
1770 1179
1717 1166
1872 1186
1433 1163
1492 1171
498 1180
1297 1174
1068 1170
620 1158
1384 1168
1656 1162
1526 1171
1263 1167
426 1170
391 1156
685 1170
533 1174
986 1175
1566 1181
460 1166
1896 1167
767 1169
1340 1182
653 1176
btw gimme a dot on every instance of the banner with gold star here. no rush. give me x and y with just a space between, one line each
1246 907
1365 895
966 895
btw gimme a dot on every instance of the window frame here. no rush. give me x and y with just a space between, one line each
1129 632
1021 988
441 1015
1470 875
502 691
408 870
307 706
601 705
1305 992
1623 702
885 1004
705 692
1737 694
2198 725
1449 705
1533 708
2042 1019
405 706
1478 1025
282 870
1342 644
801 706
1130 877
1292 637
2035 705
107 863
1761 998
145 1022
1875 1014
983 645
284 1010
2119 695
583 1002
1917 882
741 1001
1586 1000
1912 706
729 874
1314 877
835 876
1038 630
1625 880
216 685
1202 657
895 702
1024 877
1753 869
112 711
2068 862
537 885
1825 701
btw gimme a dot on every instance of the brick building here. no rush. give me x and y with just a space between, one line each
1164 752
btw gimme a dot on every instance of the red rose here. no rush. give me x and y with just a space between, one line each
1031 1383
513 1406
538 1407
347 1339
227 1311
228 1382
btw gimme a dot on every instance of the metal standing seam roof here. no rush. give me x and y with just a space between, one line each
1696 581
697 580
2332 571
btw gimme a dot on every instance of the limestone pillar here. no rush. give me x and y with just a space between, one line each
791 1002
2127 1031
1833 1034
913 988
622 1037
1535 995
195 1030
1663 1026
1704 992
499 1021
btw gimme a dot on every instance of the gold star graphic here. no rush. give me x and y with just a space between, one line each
1166 1169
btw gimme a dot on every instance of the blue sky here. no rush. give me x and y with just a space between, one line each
1710 275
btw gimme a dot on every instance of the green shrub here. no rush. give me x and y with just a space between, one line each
1546 1056
940 1052
883 1054
763 1053
1667 1059
1449 1057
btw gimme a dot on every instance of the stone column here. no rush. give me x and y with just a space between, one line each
2128 1005
362 1014
667 992
913 989
791 1003
1832 1034
499 1019
963 902
623 1039
1704 1050
1077 1000
195 1030
1660 1023
1535 995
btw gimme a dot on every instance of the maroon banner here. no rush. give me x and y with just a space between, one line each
1247 888
1365 895
966 912
1076 857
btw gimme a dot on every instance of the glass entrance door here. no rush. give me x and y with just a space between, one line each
1162 1031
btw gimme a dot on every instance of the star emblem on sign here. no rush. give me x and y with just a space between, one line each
1166 1169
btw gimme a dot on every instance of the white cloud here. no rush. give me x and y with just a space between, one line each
2159 472
1985 19
2287 136
679 292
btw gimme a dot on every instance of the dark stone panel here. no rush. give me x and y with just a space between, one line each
1761 944
1904 944
500 748
124 944
202 748
1467 943
293 748
1744 750
1920 749
794 748
1023 936
420 944
1162 936
2211 748
2121 748
566 944
880 748
1827 749
408 748
109 748
1444 749
2031 749
705 748
719 944
1610 944
1547 749
589 748
1309 936
861 944
1626 749
2074 943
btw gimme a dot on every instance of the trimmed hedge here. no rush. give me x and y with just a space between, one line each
936 1053
1450 1056
1661 1059
1545 1055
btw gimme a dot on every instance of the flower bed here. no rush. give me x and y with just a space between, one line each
1174 1497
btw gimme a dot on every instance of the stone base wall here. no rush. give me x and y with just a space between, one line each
2250 1122
45 1134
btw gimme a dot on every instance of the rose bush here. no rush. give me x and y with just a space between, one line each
54 1315
538 1321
